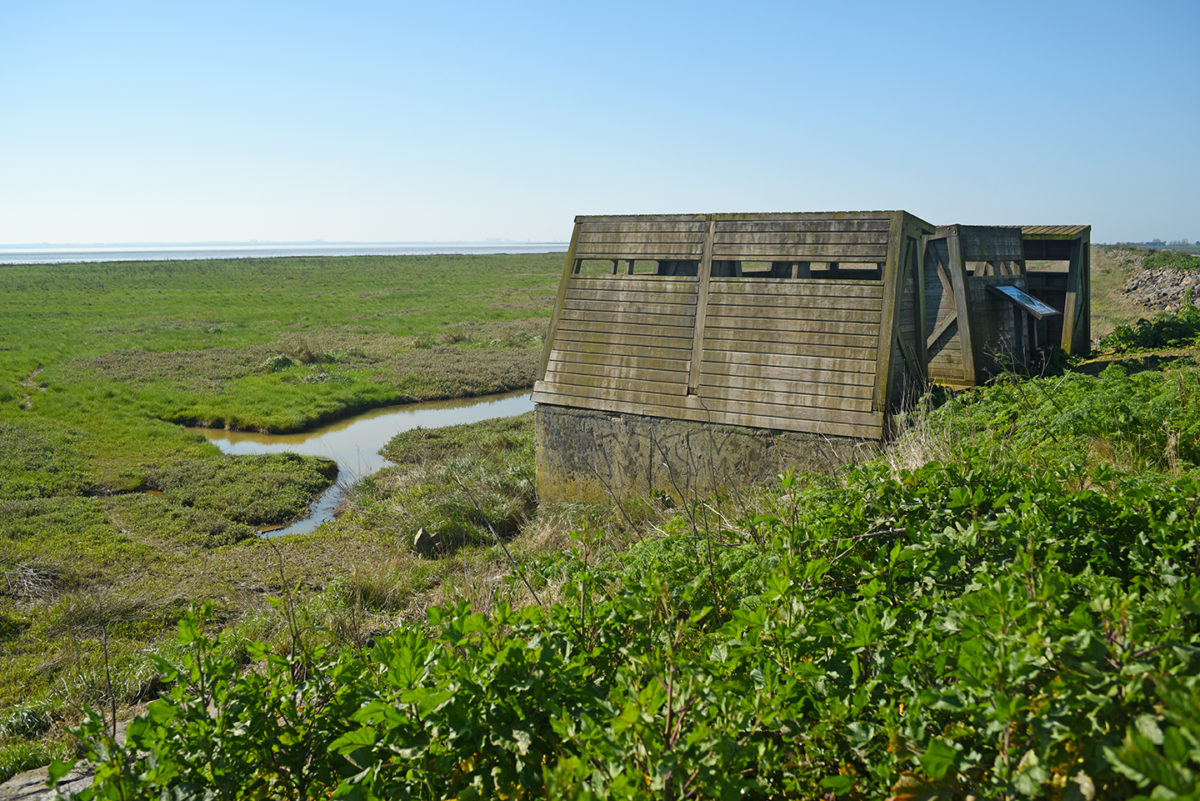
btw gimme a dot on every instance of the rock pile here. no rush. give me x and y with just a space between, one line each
1163 289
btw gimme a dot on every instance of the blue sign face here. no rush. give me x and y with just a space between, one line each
1025 300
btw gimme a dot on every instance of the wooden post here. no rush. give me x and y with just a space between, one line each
704 276
1085 265
917 249
1085 284
887 321
1073 297
958 279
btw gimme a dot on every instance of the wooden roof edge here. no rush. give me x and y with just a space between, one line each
1062 232
746 215
1055 231
1039 231
943 230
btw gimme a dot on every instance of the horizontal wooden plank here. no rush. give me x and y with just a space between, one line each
764 316
745 300
787 339
621 294
637 250
804 359
656 237
673 404
596 353
622 339
829 327
823 287
586 385
763 395
817 350
634 329
644 225
982 243
810 224
566 367
800 238
616 362
638 283
690 407
754 366
617 319
950 362
629 307
634 357
952 345
800 252
723 378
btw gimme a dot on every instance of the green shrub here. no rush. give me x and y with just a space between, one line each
1169 329
956 630
1170 259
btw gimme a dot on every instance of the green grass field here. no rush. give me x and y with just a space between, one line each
113 518
1005 604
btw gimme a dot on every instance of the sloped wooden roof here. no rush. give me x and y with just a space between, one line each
1054 231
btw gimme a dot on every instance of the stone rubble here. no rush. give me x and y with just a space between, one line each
1163 289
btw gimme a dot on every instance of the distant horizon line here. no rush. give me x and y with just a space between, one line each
272 243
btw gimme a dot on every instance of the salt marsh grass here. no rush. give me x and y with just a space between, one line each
113 518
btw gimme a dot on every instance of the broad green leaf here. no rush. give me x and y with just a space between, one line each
938 759
363 737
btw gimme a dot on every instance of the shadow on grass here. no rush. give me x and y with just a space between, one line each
1136 362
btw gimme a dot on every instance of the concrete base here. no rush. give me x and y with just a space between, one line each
591 456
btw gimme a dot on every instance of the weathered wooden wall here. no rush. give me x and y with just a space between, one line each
824 355
686 347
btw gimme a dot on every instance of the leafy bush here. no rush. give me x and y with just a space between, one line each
1169 329
1144 420
1170 259
956 630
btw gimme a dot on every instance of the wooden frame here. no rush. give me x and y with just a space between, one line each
969 327
1069 291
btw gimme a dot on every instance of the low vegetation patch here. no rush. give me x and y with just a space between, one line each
1005 604
1170 259
106 503
1018 619
1166 330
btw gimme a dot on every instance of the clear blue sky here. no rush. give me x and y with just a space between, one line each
394 121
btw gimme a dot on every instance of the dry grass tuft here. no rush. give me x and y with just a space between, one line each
29 581
923 438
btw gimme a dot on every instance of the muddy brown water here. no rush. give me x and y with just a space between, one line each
355 443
